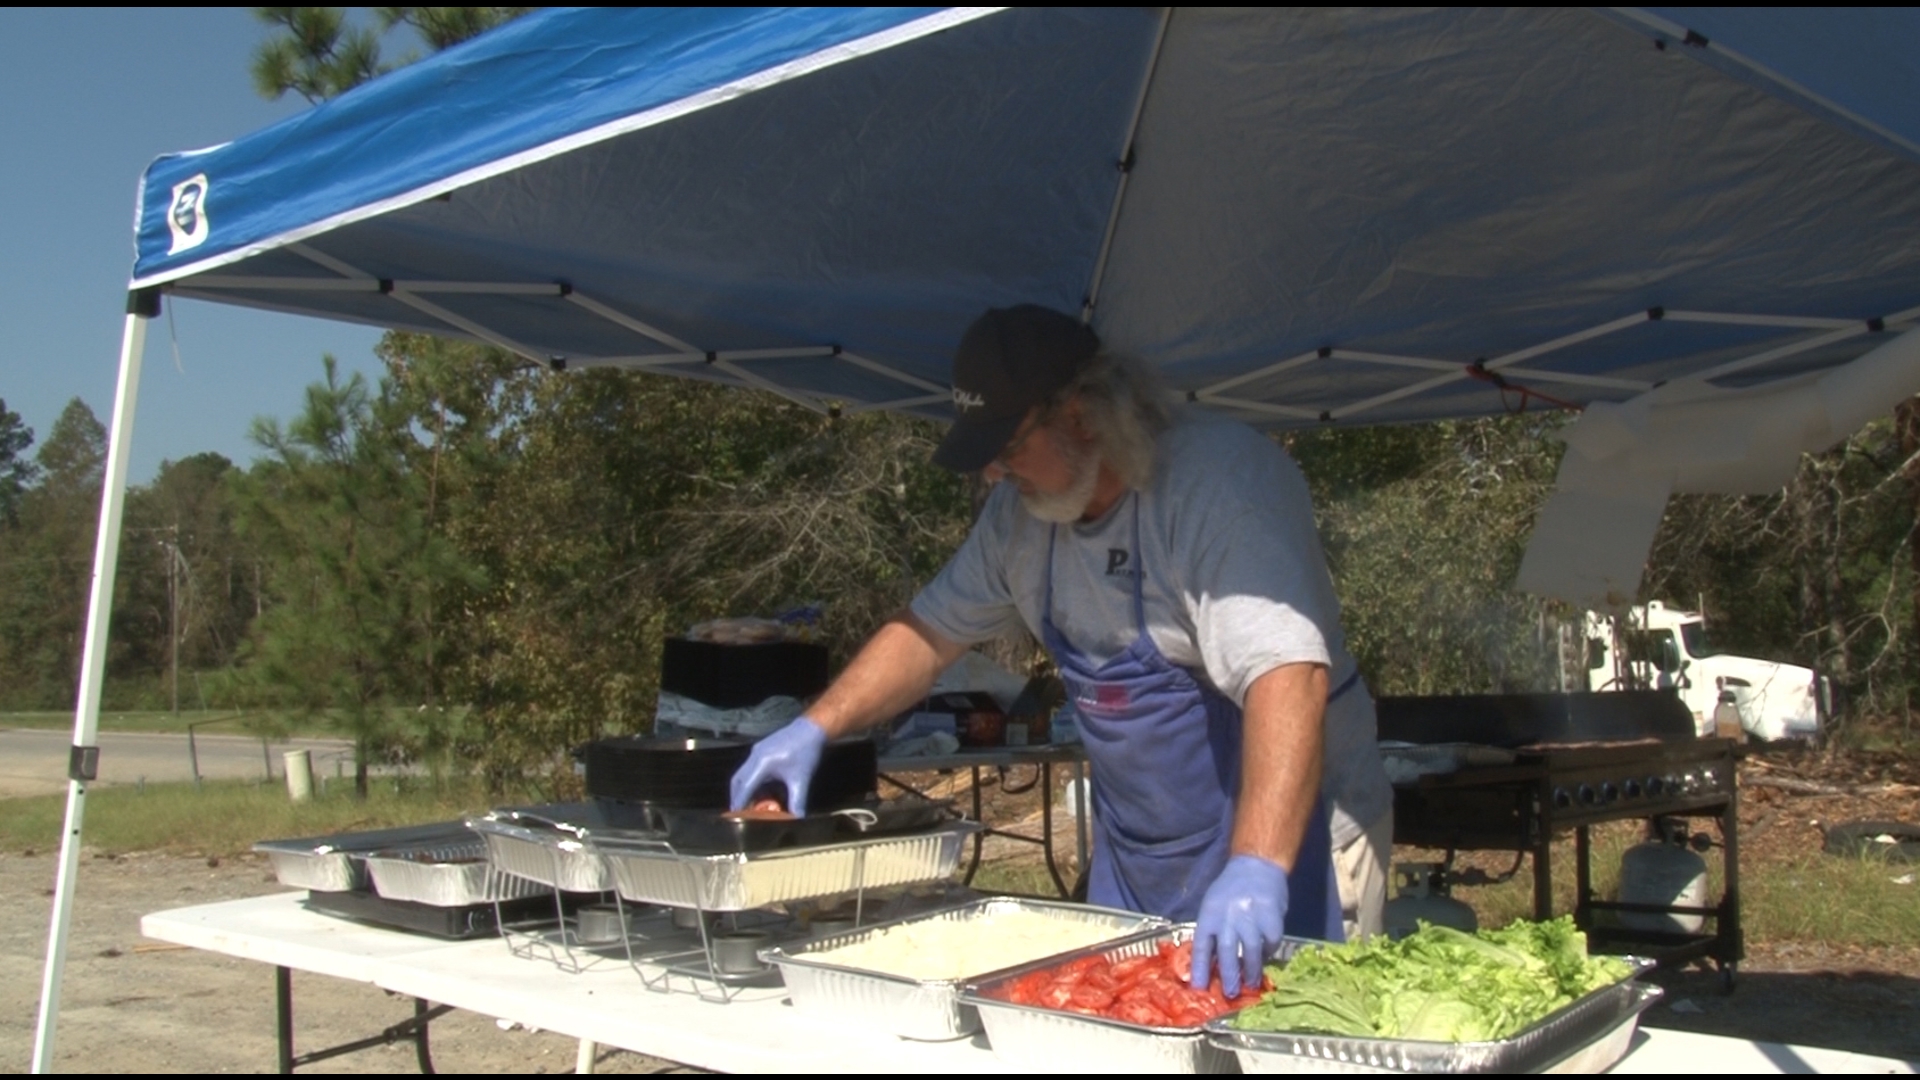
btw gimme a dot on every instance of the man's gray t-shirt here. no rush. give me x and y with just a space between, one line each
1235 585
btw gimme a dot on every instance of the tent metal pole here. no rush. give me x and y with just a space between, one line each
1125 164
93 665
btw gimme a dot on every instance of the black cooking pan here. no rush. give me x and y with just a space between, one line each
713 832
696 774
1516 720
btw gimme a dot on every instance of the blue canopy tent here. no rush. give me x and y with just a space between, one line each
1701 224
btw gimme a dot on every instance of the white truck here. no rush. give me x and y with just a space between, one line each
1660 647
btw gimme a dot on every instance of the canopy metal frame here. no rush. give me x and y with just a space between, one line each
1801 333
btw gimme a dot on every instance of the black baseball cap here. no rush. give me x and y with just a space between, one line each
1009 360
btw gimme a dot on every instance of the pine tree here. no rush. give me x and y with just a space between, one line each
17 472
316 53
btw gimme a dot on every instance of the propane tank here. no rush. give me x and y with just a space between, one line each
1663 871
1423 898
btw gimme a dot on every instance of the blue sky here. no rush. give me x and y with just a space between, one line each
87 99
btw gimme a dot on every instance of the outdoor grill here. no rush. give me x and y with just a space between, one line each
1576 760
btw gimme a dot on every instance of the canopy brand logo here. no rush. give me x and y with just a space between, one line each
187 215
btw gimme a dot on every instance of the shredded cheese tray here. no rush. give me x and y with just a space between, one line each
938 949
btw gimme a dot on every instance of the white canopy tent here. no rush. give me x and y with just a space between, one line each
1701 224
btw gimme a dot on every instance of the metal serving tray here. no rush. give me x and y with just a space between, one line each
453 875
337 863
647 870
1044 1040
926 1009
1580 1034
530 845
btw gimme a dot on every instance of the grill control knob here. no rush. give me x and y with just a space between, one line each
1655 786
1632 788
1588 796
1562 798
1609 793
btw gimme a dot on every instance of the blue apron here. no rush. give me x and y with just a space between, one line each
1165 750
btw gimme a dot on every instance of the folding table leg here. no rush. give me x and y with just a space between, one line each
979 838
283 1010
414 1030
422 1052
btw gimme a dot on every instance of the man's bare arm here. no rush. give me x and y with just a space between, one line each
1280 766
894 669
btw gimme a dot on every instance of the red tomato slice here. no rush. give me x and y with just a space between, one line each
1092 996
1056 996
1086 963
1134 1012
1167 995
1180 960
1157 973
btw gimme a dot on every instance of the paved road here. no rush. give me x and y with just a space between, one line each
34 762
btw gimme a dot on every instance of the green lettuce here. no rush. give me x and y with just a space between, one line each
1436 984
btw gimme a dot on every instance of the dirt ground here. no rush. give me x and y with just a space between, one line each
136 1006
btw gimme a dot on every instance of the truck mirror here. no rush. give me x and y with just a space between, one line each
1668 658
1596 654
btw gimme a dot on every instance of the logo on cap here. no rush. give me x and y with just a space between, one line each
967 399
187 214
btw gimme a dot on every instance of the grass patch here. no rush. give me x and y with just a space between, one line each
229 817
1832 899
217 721
1813 897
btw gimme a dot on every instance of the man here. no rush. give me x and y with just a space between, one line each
1169 563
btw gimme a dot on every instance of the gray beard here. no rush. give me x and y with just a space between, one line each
1070 505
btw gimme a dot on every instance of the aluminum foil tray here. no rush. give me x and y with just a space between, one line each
649 871
454 875
337 863
1579 1035
926 1009
538 849
1044 1040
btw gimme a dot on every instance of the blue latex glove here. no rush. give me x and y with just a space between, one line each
1240 923
788 756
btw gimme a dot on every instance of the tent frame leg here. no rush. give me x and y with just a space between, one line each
142 308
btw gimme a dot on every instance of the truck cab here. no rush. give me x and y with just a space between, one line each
1659 647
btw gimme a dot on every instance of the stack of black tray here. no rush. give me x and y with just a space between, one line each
452 923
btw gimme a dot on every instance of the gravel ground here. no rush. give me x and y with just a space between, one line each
133 1005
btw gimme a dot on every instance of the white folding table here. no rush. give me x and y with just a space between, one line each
757 1032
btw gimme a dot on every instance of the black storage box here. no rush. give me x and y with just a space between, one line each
693 773
738 676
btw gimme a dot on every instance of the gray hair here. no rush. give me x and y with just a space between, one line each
1125 407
